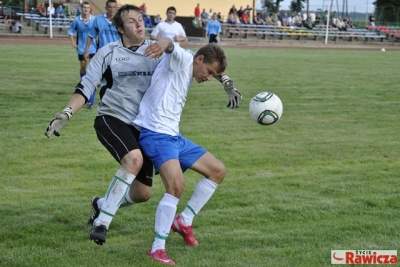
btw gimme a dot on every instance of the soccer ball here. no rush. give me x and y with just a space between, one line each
266 108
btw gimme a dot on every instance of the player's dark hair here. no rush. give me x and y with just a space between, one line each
85 3
122 11
110 1
171 8
213 53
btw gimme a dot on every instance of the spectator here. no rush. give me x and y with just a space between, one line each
349 22
275 19
341 25
210 14
298 21
51 11
258 20
245 17
312 16
232 19
16 26
204 17
308 23
197 12
318 19
82 25
157 19
144 9
268 20
219 16
334 19
290 20
147 23
263 15
240 13
105 32
78 11
372 19
42 9
233 10
284 20
60 12
304 16
67 11
325 17
213 30
169 28
248 8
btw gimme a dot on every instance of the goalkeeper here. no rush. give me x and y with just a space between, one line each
119 63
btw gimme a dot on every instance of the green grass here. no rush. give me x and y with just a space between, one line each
326 176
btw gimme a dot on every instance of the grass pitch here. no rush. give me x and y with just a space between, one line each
326 176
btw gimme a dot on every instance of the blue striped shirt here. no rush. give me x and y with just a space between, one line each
105 30
83 29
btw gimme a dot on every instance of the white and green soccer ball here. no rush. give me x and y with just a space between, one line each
266 108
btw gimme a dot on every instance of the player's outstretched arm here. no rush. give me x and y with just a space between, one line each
234 96
61 119
155 50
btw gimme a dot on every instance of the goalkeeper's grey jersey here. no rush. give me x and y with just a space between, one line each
124 76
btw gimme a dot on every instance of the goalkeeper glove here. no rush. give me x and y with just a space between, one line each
58 122
233 95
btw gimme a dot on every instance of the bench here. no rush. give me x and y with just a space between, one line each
56 23
59 27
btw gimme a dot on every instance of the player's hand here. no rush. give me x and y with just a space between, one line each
233 94
86 57
58 122
154 50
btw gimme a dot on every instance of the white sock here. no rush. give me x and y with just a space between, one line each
202 193
125 202
114 196
100 202
164 217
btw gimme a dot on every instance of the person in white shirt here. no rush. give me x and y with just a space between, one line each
51 11
171 153
210 14
304 16
312 16
169 28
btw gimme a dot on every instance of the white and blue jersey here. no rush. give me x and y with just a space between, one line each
83 29
105 30
161 107
160 112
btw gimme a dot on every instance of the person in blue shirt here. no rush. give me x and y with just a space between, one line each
213 30
60 12
147 23
104 32
82 25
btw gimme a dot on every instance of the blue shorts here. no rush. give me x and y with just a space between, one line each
161 147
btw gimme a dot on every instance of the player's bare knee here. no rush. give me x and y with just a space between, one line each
218 174
143 196
175 189
133 161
